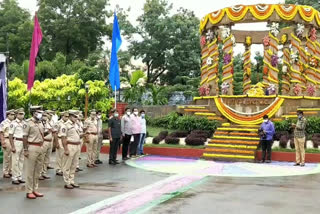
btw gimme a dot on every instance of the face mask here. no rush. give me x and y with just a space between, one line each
265 120
99 116
143 115
39 116
116 114
299 116
135 113
128 113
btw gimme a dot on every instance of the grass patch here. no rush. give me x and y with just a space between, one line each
309 150
173 146
154 131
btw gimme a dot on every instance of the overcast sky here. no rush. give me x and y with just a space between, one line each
200 8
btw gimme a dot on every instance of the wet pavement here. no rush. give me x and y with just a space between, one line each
96 184
136 189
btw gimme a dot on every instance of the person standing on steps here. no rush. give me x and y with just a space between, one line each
60 127
300 138
114 131
126 131
5 143
100 138
266 132
33 137
16 141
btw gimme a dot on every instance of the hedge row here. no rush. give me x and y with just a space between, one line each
183 122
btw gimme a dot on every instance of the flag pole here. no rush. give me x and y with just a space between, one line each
115 96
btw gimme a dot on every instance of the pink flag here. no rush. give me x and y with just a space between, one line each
36 41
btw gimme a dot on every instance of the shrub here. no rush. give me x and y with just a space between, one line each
156 140
163 134
283 141
105 134
172 140
193 140
179 134
206 134
291 137
279 134
315 140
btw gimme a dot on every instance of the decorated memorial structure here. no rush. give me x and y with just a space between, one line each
291 73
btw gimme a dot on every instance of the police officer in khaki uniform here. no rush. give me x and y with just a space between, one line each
71 143
33 137
16 141
54 137
47 145
60 127
80 128
91 131
5 143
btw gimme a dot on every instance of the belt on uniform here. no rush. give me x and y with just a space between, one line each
18 139
48 140
93 133
6 137
73 143
35 144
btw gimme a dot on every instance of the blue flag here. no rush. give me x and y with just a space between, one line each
114 75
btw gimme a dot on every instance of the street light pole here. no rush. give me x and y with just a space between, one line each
86 102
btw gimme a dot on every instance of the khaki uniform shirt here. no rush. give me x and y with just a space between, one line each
34 130
48 128
17 127
61 128
91 126
72 132
79 126
5 126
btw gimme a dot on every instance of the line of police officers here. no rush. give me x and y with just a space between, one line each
27 144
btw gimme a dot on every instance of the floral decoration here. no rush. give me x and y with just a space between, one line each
209 61
284 38
311 90
274 60
225 32
300 30
294 57
233 39
297 89
274 29
227 59
248 71
266 41
225 87
272 89
284 69
203 40
313 34
248 41
313 62
209 35
265 70
204 90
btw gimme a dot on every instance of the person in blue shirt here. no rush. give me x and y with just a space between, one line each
266 133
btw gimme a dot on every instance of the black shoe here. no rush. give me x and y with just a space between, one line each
50 167
75 185
262 161
21 181
296 164
59 173
15 182
302 165
112 162
79 170
126 158
268 161
117 162
98 162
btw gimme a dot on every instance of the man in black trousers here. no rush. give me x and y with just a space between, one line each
126 131
114 137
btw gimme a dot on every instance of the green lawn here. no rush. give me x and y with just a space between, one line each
154 131
309 150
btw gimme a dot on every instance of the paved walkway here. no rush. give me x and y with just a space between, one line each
155 184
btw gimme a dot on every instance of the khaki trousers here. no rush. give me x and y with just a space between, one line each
70 163
17 160
47 150
7 157
59 156
300 152
99 145
92 148
33 166
81 144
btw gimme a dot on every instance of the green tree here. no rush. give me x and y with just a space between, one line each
168 44
134 87
15 30
314 3
75 28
